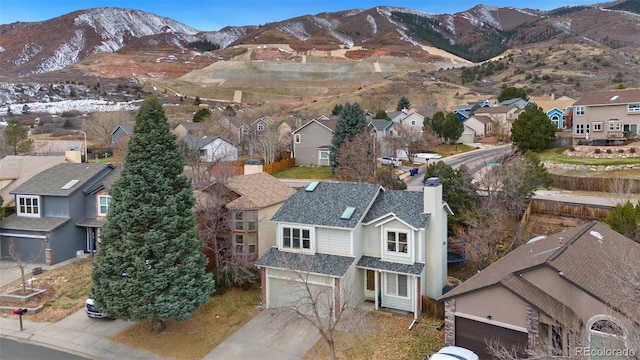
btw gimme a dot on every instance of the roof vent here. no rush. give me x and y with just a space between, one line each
433 181
348 213
70 184
312 186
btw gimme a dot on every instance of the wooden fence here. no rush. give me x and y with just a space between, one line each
584 211
613 185
279 166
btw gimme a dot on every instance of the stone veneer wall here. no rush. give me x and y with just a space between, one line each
449 322
532 326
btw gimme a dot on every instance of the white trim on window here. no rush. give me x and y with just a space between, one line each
397 285
103 204
579 110
397 242
597 126
28 205
297 138
633 107
296 238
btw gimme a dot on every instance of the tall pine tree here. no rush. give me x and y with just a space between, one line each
150 264
351 122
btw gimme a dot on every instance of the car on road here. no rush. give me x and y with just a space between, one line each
453 353
390 160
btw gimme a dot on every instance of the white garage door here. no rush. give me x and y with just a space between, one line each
288 293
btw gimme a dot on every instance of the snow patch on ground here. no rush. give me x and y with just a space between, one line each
372 22
83 106
295 29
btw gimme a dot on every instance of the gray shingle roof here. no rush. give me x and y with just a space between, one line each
370 262
14 222
325 205
406 205
381 124
195 142
325 264
51 181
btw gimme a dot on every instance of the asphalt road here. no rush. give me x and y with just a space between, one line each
15 350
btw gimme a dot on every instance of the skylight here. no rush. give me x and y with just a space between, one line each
348 213
70 184
312 186
614 98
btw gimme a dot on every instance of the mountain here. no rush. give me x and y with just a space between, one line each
477 34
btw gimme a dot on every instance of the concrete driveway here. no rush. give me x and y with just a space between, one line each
272 334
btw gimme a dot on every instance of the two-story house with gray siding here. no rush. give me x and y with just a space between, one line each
610 117
347 243
311 142
58 213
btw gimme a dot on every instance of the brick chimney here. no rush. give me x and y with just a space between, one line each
436 238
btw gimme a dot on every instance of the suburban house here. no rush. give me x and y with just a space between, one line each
354 242
245 128
406 118
250 202
465 111
59 212
311 142
120 132
517 102
15 170
502 116
610 117
482 125
554 296
382 128
468 135
190 128
557 109
210 148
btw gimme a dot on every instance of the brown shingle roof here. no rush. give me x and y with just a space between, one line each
258 191
581 255
483 119
614 97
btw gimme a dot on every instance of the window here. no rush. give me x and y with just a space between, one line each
260 126
103 204
597 126
413 123
634 107
28 205
324 154
296 239
615 126
297 138
582 128
606 336
579 110
245 232
397 285
397 242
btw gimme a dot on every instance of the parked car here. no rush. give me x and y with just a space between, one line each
390 160
453 353
92 312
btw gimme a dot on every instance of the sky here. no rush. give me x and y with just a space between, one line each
210 15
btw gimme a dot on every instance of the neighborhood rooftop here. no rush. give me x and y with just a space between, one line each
52 180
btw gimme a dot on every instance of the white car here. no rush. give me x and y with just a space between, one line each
92 312
454 353
389 160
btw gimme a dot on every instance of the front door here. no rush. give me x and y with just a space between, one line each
370 284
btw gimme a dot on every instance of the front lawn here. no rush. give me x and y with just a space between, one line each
304 173
557 155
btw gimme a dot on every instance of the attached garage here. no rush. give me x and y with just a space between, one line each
291 293
473 335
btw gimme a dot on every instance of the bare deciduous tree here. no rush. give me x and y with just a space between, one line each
268 143
357 158
411 140
102 124
485 236
22 261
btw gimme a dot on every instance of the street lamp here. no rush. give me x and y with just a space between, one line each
85 144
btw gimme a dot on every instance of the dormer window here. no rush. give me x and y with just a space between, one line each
397 242
28 205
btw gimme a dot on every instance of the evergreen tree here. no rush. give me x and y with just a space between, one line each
381 114
625 219
197 101
403 104
351 122
150 264
452 128
17 138
533 130
458 190
513 93
435 123
336 110
201 114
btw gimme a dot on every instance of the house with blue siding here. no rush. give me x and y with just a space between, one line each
345 243
557 109
59 212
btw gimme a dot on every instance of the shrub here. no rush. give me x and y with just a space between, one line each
571 148
620 151
609 151
632 150
597 151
